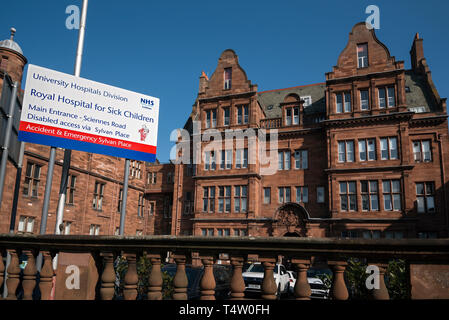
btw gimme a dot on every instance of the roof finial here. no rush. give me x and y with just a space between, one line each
13 32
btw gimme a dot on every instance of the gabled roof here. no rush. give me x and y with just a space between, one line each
270 100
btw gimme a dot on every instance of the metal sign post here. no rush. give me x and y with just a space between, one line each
68 152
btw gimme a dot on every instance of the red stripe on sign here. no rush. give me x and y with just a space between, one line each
86 137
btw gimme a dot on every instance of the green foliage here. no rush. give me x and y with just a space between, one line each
396 280
355 276
326 278
143 266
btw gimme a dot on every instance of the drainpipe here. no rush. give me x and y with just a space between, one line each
443 175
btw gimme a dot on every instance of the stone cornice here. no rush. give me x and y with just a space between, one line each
228 96
364 169
372 119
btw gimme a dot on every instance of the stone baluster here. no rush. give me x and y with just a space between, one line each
12 281
338 290
302 289
46 276
2 270
207 283
155 279
382 292
180 281
29 276
108 277
237 282
131 278
269 287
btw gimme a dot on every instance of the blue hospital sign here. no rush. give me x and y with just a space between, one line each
62 110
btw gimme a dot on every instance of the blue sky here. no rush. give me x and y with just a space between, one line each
159 48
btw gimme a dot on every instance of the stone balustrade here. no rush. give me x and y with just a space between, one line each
300 251
271 123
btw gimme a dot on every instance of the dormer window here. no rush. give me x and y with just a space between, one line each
291 116
362 55
227 78
307 101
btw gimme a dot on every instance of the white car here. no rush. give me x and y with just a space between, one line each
253 278
319 290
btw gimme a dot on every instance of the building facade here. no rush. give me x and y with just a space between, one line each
363 154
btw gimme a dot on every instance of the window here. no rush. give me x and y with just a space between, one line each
389 148
208 199
301 159
188 203
139 233
141 206
422 151
346 151
94 230
350 234
362 55
394 235
386 97
302 194
120 200
211 118
241 158
364 100
135 169
32 178
425 197
343 102
151 207
291 116
242 114
152 178
168 203
367 149
71 182
392 195
240 198
224 199
117 231
226 159
320 194
371 234
26 224
226 119
370 195
227 78
427 235
284 194
348 196
284 160
210 232
209 162
170 177
266 195
307 101
97 202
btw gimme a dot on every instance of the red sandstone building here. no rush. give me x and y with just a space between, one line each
363 154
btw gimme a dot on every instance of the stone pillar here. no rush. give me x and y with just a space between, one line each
302 288
237 282
382 292
269 287
46 276
29 276
12 281
155 280
108 277
338 290
207 283
180 281
131 278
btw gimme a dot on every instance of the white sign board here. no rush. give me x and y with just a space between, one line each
62 110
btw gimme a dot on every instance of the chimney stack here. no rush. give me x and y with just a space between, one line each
203 82
417 53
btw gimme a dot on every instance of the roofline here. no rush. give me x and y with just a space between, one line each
307 85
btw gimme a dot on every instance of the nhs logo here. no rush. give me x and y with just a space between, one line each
147 103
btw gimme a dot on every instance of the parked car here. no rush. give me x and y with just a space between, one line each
222 275
317 286
253 278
